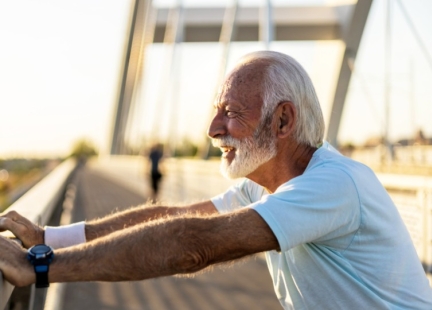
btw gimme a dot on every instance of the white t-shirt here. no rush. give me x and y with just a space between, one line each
343 243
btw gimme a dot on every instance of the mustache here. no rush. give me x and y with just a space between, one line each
226 141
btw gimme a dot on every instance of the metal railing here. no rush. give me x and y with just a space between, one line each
412 195
38 205
401 159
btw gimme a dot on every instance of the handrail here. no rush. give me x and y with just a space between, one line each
38 205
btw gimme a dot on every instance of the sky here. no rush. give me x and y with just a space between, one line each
60 65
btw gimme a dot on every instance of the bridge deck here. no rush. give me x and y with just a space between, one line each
244 286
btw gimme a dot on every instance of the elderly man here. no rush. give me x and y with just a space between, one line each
332 236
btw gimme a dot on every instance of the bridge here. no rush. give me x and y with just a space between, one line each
74 192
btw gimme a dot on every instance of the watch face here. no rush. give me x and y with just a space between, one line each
40 249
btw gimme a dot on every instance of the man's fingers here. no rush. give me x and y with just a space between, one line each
13 215
29 233
13 263
5 223
9 224
13 221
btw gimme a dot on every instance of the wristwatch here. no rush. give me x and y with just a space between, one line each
40 256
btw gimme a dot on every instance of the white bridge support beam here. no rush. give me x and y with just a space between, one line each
139 22
351 37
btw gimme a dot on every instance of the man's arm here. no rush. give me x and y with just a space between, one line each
142 214
31 234
159 248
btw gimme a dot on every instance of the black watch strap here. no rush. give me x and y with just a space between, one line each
41 270
40 256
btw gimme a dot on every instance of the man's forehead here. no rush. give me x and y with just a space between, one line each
238 95
247 73
244 81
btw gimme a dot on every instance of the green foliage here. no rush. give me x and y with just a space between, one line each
186 148
83 149
214 151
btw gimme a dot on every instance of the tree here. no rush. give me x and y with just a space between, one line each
83 149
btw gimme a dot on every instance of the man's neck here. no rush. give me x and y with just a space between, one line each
286 165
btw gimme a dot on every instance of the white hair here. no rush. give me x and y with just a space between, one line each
286 80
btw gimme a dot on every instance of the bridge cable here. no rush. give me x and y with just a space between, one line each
416 34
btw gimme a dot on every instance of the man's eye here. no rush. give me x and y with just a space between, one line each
230 113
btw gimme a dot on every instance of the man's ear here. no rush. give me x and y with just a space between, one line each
287 118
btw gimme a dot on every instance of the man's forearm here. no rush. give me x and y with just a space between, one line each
125 219
133 253
160 248
139 215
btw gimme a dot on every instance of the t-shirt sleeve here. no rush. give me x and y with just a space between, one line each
240 195
317 207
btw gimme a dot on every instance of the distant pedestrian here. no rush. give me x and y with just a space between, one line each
155 157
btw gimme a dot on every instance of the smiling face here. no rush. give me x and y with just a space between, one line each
241 157
245 138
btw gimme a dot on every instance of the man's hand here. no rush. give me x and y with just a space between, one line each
14 265
29 233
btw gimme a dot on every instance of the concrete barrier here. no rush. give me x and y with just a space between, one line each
38 205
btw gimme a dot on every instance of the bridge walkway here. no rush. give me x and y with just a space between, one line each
245 285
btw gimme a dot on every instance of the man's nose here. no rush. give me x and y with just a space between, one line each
217 126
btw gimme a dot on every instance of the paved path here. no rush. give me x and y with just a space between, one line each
246 285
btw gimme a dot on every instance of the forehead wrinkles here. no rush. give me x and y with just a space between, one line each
243 84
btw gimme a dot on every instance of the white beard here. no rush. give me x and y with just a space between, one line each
250 153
